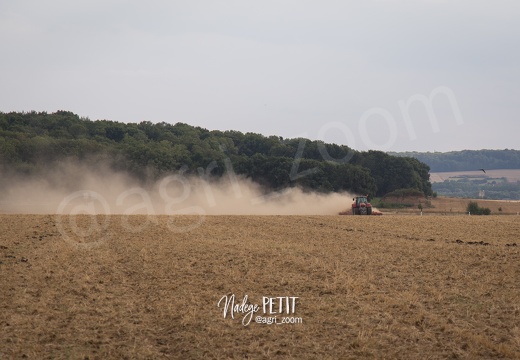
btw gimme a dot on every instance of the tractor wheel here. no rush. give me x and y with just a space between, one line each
369 211
363 211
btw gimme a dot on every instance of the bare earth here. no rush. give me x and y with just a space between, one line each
454 206
394 287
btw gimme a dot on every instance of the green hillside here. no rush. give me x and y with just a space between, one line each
31 142
467 160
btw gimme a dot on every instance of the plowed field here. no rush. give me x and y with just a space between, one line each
395 287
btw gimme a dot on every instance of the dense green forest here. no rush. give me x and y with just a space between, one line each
467 160
32 141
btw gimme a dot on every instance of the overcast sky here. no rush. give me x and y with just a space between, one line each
393 75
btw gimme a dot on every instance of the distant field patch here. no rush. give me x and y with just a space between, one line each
491 184
512 175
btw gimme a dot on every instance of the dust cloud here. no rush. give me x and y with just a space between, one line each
83 189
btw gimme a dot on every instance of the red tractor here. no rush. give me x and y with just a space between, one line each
361 206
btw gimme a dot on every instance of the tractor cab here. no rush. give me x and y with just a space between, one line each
361 200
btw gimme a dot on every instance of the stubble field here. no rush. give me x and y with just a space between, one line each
394 287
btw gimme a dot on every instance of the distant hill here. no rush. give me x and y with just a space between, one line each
466 160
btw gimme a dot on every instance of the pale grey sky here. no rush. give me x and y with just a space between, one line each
349 72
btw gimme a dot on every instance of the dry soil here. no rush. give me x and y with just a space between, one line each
381 287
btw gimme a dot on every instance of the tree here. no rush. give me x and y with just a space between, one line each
115 133
474 209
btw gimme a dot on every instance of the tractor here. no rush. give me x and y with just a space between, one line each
361 206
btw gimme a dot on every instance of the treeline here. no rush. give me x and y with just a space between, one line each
32 141
467 160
